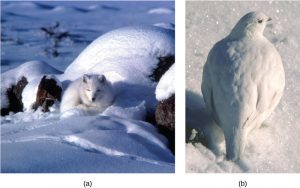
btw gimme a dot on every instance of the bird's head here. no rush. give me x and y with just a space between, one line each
251 25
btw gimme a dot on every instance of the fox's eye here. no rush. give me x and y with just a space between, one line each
259 21
88 89
99 90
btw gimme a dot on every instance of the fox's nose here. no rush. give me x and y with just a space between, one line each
93 99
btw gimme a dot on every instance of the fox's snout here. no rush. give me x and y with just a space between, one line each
93 96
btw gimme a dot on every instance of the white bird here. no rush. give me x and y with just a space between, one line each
243 81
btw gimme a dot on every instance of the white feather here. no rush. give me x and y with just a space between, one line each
243 81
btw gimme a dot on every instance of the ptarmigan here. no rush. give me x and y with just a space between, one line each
243 81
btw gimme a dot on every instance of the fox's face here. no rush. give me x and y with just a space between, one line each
94 86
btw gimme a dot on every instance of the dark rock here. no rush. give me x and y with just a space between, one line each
165 120
48 92
164 64
14 95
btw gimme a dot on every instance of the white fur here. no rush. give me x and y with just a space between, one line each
81 92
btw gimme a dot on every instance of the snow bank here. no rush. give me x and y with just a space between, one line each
273 147
166 85
132 49
30 69
136 112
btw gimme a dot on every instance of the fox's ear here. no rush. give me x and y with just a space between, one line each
101 78
85 78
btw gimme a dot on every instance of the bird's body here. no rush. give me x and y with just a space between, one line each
243 81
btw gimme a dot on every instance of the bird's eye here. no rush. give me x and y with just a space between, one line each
260 21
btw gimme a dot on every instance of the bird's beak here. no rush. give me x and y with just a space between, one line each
269 19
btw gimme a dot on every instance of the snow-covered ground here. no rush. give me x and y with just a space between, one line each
274 147
119 139
21 24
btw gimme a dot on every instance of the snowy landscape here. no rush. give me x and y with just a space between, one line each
125 41
274 147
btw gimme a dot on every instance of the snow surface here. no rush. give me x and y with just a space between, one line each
130 49
160 11
165 25
274 147
118 140
166 85
84 21
96 144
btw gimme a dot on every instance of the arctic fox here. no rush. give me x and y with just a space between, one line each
92 93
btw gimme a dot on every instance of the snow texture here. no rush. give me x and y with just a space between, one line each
96 144
118 140
166 85
273 147
23 20
138 47
165 25
160 11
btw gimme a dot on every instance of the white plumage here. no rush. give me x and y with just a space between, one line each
243 81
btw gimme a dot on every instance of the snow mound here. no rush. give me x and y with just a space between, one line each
166 85
160 11
131 49
24 5
61 9
32 71
137 112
